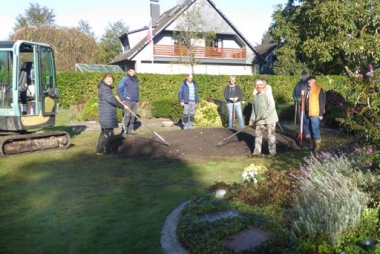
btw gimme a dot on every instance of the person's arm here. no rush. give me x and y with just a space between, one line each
138 91
180 93
121 89
252 119
226 94
270 107
239 94
322 103
110 98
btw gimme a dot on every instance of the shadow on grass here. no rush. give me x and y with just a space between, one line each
82 203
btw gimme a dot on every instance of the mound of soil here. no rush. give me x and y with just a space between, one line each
199 143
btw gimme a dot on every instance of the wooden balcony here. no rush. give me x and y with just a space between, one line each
200 52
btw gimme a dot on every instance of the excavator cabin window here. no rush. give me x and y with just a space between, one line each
6 77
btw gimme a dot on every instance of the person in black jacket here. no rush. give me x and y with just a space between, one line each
107 105
233 95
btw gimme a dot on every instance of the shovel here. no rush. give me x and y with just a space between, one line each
233 114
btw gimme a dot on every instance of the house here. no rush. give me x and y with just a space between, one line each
266 51
229 53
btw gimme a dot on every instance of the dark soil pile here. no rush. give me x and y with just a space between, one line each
199 143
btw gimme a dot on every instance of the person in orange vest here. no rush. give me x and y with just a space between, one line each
315 102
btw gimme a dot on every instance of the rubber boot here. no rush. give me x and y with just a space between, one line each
317 145
309 142
108 134
101 149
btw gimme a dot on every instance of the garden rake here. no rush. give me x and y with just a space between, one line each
225 139
155 133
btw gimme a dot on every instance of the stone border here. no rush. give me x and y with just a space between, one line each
169 241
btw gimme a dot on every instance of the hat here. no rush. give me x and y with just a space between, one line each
303 73
311 77
264 78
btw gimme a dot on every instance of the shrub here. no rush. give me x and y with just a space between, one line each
207 115
167 108
330 202
335 108
89 111
363 116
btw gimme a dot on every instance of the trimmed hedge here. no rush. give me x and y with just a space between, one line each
161 90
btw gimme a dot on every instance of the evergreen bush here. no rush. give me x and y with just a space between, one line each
167 108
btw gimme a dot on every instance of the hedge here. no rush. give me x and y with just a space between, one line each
78 87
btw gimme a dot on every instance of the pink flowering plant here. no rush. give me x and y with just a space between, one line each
362 115
336 107
365 158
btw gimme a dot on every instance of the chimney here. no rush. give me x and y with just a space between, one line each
154 11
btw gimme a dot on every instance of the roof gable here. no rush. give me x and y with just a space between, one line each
166 19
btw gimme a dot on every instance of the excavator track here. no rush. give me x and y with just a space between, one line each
33 142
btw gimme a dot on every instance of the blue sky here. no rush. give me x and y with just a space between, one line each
251 17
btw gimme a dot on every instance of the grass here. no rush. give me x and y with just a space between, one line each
73 201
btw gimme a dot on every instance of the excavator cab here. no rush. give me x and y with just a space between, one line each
28 98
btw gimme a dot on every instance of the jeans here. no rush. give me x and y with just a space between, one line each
311 127
129 119
238 113
188 115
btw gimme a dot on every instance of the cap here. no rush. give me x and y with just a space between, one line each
303 73
311 77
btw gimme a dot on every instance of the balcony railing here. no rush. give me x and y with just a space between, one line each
200 52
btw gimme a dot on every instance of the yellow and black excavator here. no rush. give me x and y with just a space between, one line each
28 98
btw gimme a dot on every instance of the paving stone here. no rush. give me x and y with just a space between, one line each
248 238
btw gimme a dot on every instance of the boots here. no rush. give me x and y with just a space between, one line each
317 145
101 148
308 142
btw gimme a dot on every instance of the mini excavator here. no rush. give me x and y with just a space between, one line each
28 99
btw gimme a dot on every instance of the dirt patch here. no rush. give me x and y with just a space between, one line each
199 143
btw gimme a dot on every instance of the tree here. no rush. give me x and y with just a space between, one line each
35 15
70 45
85 28
110 45
267 38
330 37
193 31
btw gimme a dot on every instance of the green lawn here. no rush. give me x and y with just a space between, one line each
73 201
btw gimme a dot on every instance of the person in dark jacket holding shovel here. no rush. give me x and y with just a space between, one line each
107 105
233 96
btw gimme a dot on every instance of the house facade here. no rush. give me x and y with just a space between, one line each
155 49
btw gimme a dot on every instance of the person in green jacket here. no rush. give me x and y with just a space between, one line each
265 117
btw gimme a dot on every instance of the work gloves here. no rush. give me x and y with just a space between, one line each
297 99
235 99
